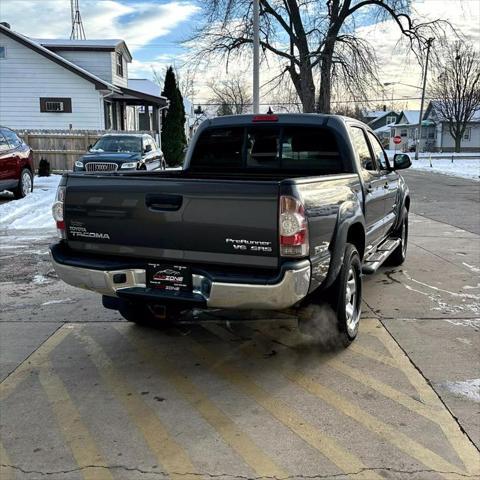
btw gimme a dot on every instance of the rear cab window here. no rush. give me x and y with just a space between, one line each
268 148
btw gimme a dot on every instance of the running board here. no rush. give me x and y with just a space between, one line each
373 262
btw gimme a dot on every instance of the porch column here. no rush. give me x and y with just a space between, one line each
155 122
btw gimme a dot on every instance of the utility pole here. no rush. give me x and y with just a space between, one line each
419 130
256 56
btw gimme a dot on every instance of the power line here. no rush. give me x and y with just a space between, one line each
368 100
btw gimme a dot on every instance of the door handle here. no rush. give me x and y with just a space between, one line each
369 188
164 203
385 186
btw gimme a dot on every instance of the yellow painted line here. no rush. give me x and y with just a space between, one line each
6 473
403 363
169 453
251 453
35 360
401 441
459 441
404 443
327 446
77 436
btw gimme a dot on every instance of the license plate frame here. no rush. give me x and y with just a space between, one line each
169 278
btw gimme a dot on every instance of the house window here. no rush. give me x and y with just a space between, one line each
403 132
467 134
55 105
3 52
119 57
391 119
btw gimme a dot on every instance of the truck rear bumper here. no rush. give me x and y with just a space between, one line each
290 289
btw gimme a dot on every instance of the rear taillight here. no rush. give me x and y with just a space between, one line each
293 228
58 210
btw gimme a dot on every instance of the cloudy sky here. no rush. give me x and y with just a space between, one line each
154 28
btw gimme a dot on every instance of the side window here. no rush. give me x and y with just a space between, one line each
12 138
4 145
380 156
361 146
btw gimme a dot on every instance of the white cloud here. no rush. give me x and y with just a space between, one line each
138 24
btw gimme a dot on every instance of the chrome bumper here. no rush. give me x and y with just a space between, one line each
291 289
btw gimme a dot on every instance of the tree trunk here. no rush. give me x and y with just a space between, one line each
458 143
304 86
308 89
324 96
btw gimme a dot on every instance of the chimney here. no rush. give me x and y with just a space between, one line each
5 24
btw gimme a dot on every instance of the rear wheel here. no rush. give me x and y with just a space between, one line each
25 184
345 298
399 255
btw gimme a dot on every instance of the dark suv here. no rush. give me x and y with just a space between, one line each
123 152
16 164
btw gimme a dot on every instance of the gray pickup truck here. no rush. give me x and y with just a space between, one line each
269 212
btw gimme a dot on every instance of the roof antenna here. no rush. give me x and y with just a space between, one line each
78 32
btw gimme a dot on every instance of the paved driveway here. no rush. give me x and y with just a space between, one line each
87 395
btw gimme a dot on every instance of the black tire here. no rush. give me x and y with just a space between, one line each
336 299
25 184
349 280
399 255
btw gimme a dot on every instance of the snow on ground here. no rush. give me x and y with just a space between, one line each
464 165
34 211
465 168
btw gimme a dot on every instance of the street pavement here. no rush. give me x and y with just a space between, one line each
86 395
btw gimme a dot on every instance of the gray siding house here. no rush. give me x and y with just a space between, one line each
70 84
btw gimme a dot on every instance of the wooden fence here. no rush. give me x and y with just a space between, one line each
61 147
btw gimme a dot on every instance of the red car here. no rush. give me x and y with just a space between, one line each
16 164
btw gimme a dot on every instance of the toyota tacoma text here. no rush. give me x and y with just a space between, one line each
270 212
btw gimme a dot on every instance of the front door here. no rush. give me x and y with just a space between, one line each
390 182
374 182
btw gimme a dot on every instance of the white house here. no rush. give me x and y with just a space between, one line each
72 84
444 142
435 135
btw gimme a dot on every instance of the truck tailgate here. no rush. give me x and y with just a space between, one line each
232 222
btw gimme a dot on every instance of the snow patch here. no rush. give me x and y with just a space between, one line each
34 211
464 322
464 168
40 280
468 388
54 302
471 267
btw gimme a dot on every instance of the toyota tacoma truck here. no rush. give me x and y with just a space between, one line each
270 212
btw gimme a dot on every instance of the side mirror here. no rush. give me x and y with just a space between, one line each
90 147
401 161
148 148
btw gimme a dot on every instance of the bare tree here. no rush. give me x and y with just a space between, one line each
456 88
231 95
313 40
